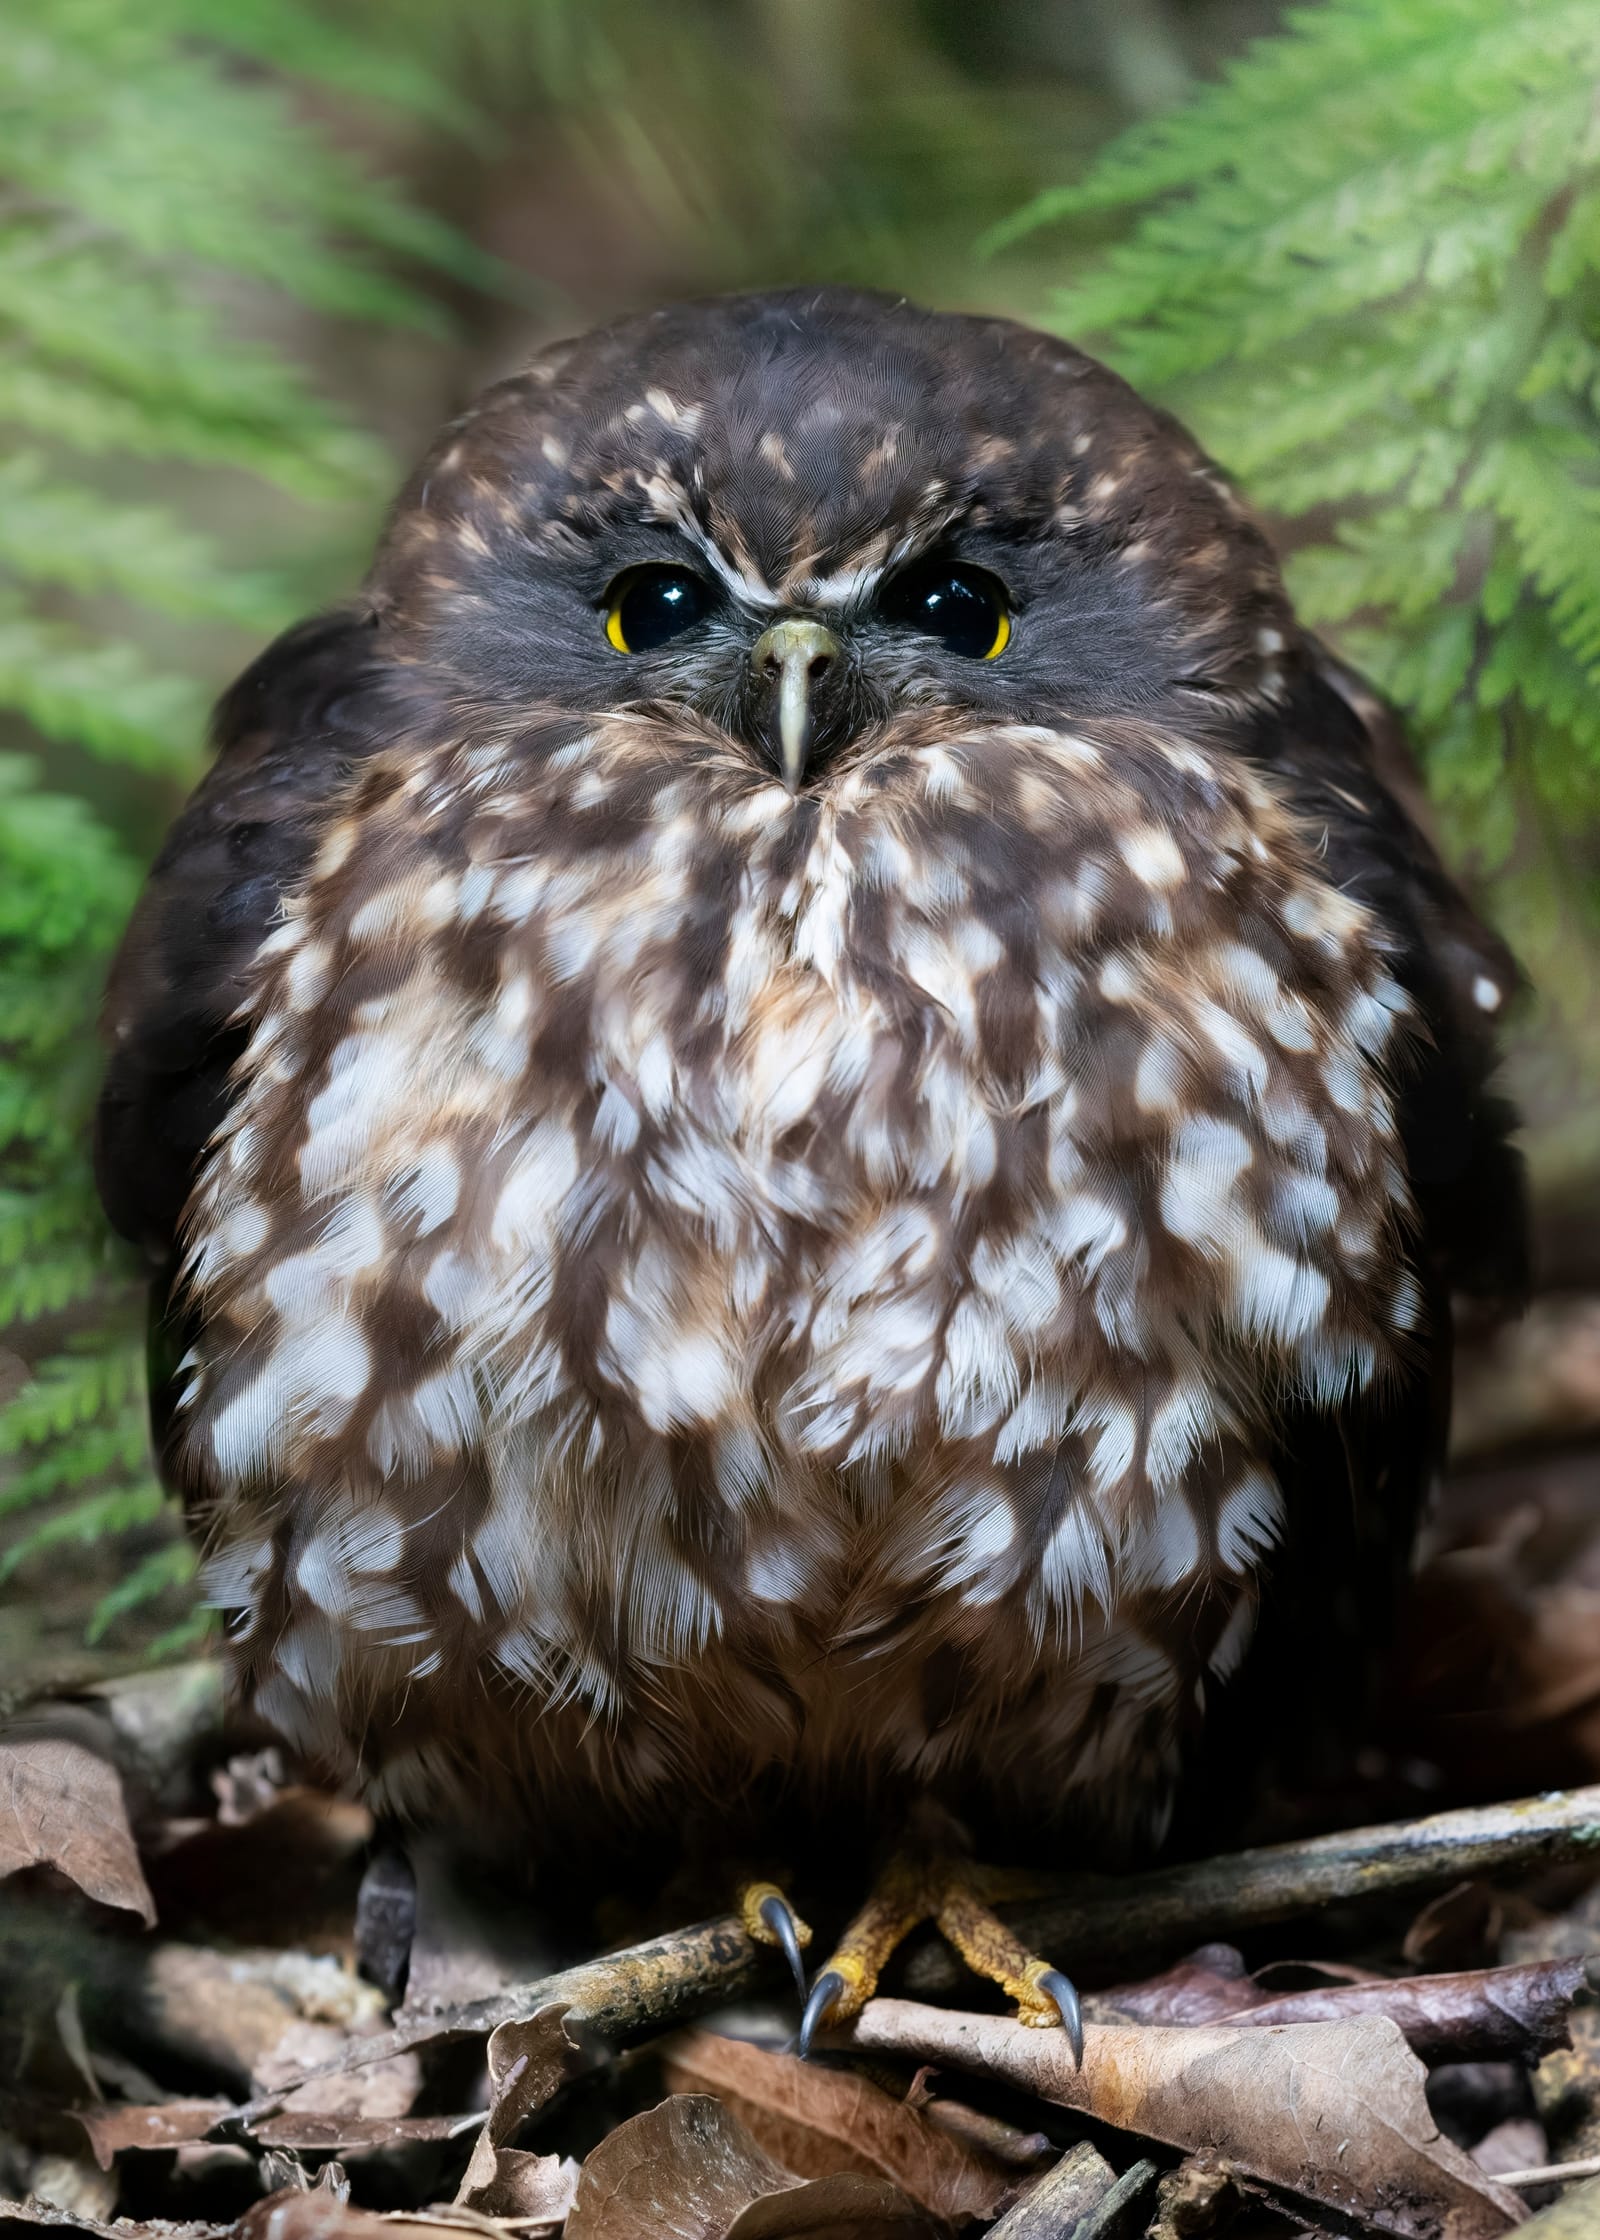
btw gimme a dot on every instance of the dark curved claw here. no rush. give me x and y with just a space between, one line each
1063 1992
820 2002
777 1918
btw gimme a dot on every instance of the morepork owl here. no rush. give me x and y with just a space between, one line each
810 1108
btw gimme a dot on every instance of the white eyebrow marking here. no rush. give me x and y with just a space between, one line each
852 584
751 589
847 587
668 501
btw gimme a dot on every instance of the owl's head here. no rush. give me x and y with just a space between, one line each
797 514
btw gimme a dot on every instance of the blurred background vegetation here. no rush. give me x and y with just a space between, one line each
253 251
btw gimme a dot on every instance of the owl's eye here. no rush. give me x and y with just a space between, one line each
964 608
647 606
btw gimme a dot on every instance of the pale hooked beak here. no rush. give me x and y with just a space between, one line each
794 656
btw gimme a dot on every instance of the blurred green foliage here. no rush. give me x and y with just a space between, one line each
1365 268
1364 264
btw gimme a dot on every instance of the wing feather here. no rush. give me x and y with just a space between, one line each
1328 1610
287 735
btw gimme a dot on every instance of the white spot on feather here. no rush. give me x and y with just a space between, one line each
1249 1521
1275 1295
428 1190
1075 1565
1198 1198
1153 856
1164 1550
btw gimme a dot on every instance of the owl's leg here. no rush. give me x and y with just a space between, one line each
953 1893
770 1919
386 1915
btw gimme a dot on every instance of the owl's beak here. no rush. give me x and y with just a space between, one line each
791 659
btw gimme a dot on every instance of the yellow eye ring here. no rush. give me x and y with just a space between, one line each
647 606
961 607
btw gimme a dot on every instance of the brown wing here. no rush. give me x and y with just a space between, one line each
1359 1488
1343 755
286 735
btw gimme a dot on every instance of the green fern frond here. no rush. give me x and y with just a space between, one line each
72 1390
99 1515
160 1572
75 1460
189 158
340 53
168 1570
314 457
59 532
101 694
51 1281
1366 268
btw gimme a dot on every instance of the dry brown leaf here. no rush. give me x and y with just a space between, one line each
219 2014
1333 2111
309 2131
816 2121
174 2123
1460 1928
532 2188
1516 2013
62 1806
1517 2144
845 2207
383 2090
26 2220
686 2170
317 2213
1202 1987
529 2062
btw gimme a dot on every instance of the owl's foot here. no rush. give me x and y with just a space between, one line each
770 1919
954 1895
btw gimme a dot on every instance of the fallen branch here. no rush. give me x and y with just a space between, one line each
1144 1914
625 1995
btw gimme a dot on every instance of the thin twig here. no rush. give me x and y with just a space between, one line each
1553 2173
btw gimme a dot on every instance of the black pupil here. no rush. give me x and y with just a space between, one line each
958 606
659 604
